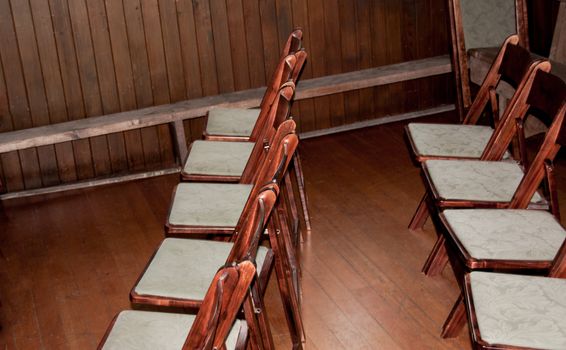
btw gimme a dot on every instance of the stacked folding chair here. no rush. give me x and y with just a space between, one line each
489 212
228 202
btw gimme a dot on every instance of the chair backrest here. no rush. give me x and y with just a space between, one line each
293 45
279 154
482 23
547 101
293 66
507 127
287 69
279 110
252 224
511 65
222 303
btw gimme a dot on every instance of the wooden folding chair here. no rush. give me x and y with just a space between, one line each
238 124
222 161
179 271
500 184
215 208
502 240
214 327
517 311
513 66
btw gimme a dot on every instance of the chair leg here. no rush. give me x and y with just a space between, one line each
420 215
293 266
292 203
258 324
455 321
437 259
284 273
298 169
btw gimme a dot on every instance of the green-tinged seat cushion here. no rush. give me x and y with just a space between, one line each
220 158
475 180
506 234
184 268
231 121
208 204
142 330
519 310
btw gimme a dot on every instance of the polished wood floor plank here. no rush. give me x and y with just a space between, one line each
69 260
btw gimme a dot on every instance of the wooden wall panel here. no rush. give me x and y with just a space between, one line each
70 59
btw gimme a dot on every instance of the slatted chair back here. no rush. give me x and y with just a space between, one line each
546 100
511 65
223 301
248 233
279 111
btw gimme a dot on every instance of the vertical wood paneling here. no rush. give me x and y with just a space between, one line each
318 59
349 55
304 110
33 77
254 42
71 59
142 80
238 44
74 98
124 78
17 95
364 53
106 79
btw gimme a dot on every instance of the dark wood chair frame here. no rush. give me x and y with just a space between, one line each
547 95
459 53
512 65
227 294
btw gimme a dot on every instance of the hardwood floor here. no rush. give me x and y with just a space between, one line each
68 261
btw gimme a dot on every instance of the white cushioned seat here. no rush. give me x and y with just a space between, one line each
184 268
231 121
208 204
448 140
156 330
506 234
218 158
519 310
475 180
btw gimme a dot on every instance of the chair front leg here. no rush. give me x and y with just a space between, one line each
455 320
420 215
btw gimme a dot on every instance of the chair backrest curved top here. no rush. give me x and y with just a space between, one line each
252 224
223 301
514 64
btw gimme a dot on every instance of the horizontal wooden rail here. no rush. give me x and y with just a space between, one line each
194 108
174 114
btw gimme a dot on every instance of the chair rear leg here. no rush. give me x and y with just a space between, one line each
437 259
455 321
293 208
420 215
258 323
283 271
298 169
